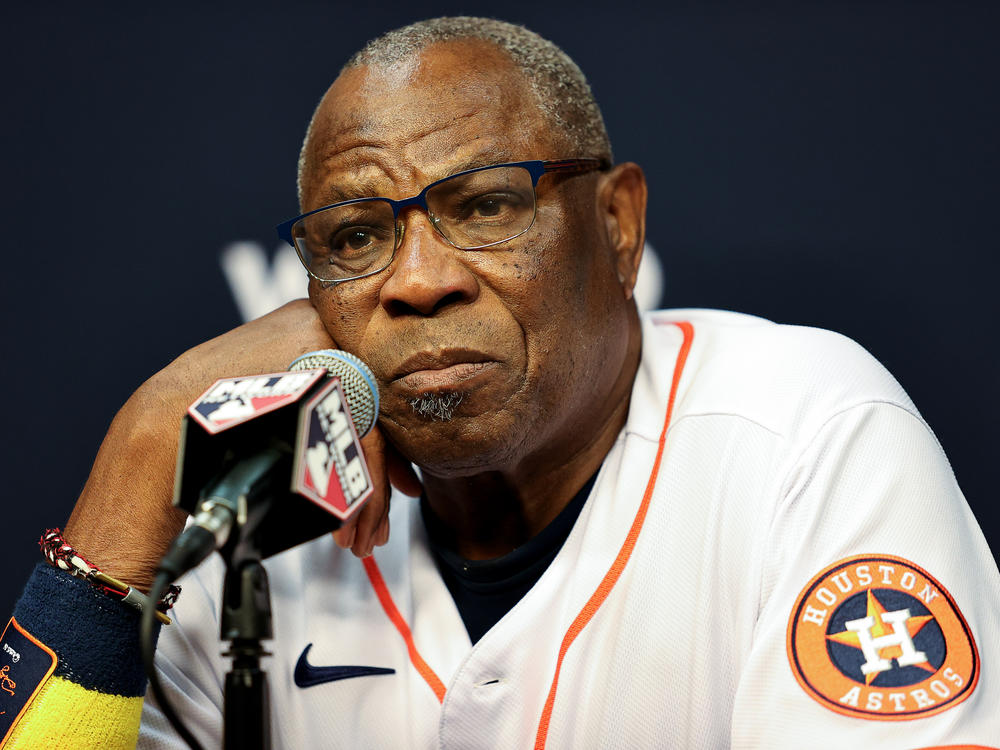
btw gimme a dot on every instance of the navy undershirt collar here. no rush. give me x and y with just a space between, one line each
485 590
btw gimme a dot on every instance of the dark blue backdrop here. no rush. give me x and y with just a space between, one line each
832 165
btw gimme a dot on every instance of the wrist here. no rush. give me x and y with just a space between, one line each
58 552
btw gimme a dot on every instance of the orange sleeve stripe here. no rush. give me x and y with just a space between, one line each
385 598
613 574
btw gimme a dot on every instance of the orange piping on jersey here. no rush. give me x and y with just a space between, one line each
382 591
611 577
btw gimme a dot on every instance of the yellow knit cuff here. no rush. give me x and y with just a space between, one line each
63 714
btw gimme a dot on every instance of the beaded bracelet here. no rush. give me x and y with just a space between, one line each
59 553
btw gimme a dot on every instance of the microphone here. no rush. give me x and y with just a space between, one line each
275 457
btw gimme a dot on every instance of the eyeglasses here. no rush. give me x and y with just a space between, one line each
471 210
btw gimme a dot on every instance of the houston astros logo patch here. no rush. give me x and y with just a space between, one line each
876 637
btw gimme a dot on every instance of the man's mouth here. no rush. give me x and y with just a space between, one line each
447 378
448 370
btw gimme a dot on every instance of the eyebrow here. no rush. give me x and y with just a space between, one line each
483 159
367 189
340 193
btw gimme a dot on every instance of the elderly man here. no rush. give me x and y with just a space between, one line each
697 529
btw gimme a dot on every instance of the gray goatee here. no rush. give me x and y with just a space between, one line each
439 407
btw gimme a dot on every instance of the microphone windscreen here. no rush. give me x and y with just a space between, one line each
356 379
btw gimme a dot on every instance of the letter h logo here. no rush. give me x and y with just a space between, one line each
871 646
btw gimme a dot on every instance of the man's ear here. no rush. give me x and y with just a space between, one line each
622 205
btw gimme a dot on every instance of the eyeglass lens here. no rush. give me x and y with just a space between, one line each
470 211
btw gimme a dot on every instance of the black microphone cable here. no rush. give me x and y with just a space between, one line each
146 630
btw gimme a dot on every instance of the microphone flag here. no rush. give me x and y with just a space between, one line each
330 468
322 479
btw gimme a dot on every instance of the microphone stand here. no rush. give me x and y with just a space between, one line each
246 620
246 616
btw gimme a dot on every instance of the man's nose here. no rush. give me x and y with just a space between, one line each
426 274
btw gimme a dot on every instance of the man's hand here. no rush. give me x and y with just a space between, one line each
124 521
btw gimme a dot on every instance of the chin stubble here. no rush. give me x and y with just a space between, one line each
439 407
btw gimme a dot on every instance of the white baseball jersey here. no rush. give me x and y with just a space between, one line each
789 564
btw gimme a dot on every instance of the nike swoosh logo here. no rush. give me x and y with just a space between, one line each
306 675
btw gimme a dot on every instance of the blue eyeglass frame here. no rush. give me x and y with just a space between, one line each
535 168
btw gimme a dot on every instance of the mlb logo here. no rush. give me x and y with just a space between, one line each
330 467
232 401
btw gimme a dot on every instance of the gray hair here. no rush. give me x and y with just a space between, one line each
438 407
561 90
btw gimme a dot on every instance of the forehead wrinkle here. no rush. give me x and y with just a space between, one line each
440 151
343 182
405 141
366 187
405 170
412 132
362 141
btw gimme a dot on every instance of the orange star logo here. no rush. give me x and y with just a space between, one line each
876 610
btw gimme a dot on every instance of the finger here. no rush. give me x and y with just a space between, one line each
369 519
382 535
401 473
344 536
